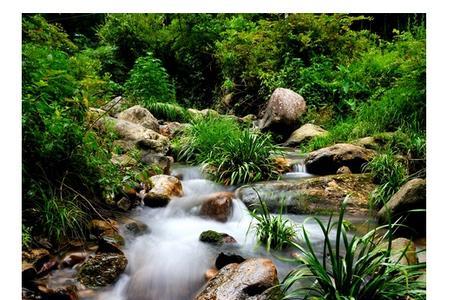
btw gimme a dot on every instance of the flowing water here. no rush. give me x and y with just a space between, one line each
170 262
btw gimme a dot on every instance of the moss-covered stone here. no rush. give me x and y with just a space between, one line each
216 238
102 269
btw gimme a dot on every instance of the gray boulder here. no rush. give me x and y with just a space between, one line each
139 115
328 160
283 111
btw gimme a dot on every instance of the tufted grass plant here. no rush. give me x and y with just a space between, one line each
168 111
247 158
360 268
273 231
389 173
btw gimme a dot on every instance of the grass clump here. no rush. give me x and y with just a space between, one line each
229 153
390 173
273 231
357 268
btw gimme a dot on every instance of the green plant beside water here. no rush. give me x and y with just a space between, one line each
274 231
360 268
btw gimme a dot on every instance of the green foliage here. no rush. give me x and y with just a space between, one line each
232 155
149 82
203 136
352 268
26 237
248 158
169 111
273 231
389 173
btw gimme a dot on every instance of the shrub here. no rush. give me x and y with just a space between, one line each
149 82
357 268
169 111
273 231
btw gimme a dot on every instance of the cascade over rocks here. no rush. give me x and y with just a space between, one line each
312 195
411 196
248 280
328 160
283 111
141 116
218 206
304 134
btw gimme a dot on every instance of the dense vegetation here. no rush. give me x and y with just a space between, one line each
357 79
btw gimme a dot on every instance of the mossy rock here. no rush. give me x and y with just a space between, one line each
216 238
102 269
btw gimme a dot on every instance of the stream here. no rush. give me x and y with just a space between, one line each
170 262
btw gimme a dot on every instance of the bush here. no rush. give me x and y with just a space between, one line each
273 231
169 111
149 82
357 268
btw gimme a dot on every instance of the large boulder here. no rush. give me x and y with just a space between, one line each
218 206
163 188
283 111
129 133
171 129
102 269
303 134
315 195
249 280
411 196
139 115
328 160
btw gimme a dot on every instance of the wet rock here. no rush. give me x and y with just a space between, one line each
163 188
100 227
109 239
283 111
317 195
304 134
328 160
218 206
139 115
283 165
216 238
210 273
411 196
102 269
224 259
28 271
159 161
374 142
47 267
72 259
136 228
155 200
248 118
248 280
344 170
124 203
